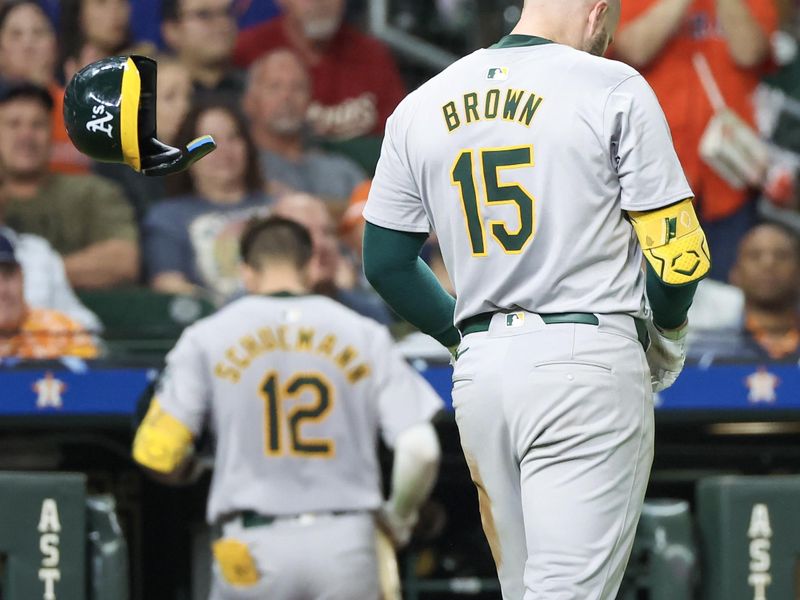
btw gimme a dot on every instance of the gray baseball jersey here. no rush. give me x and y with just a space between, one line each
523 160
295 389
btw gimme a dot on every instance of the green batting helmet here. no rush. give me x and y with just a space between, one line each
110 115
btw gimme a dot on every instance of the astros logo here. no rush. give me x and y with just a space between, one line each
49 391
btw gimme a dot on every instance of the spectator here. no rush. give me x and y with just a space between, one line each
276 101
352 223
34 333
27 43
46 284
102 24
716 305
660 37
356 81
146 16
79 56
84 217
768 272
327 270
28 52
172 104
191 239
202 33
351 231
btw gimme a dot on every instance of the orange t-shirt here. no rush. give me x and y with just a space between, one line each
674 80
48 334
65 157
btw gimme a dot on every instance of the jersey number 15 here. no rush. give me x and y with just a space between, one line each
492 162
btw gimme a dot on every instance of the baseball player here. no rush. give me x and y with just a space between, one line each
546 172
295 388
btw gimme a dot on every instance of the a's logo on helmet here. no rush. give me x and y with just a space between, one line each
102 122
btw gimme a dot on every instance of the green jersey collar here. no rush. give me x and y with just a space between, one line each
515 40
285 294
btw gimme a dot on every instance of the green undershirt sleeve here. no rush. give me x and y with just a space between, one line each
670 303
393 267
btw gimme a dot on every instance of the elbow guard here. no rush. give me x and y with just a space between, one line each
673 243
162 441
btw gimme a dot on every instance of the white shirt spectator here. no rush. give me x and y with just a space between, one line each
717 306
46 284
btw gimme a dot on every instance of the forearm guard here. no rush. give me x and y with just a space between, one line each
162 442
673 243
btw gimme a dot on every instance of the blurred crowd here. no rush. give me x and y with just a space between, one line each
296 95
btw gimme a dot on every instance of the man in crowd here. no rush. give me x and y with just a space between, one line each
46 284
85 218
326 266
34 333
202 34
660 38
767 270
356 84
276 101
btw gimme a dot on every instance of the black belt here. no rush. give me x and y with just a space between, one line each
254 519
481 322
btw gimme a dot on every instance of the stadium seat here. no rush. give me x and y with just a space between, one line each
141 321
664 558
108 551
364 151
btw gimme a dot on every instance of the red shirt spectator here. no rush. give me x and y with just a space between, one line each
669 70
356 84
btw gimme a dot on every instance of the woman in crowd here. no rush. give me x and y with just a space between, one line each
103 24
29 52
191 239
28 46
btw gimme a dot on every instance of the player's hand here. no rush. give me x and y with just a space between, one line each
666 354
398 528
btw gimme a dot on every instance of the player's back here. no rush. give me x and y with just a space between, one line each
513 154
294 405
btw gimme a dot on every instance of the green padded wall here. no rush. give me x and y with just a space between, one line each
43 536
751 537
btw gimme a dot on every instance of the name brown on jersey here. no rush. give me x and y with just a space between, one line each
508 104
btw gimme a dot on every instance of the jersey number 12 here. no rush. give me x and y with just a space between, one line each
275 396
492 162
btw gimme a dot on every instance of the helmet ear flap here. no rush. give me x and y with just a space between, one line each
155 153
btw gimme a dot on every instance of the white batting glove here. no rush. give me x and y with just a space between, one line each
398 529
666 354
